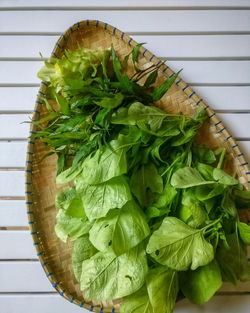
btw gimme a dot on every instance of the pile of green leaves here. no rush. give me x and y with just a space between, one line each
150 212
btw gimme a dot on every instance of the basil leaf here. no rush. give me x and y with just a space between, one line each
200 285
121 275
110 102
179 246
120 230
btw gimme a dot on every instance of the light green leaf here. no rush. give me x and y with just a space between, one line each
179 246
139 113
163 287
188 177
71 202
244 231
223 178
110 102
121 275
200 285
99 199
233 262
121 230
72 227
82 250
137 302
144 181
69 174
108 162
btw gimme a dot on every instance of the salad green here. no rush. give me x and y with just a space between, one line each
151 214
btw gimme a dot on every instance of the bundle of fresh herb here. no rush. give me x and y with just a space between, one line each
151 213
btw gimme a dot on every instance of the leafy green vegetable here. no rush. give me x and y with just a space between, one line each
121 275
99 199
200 285
82 250
179 246
120 230
188 177
145 181
72 227
105 164
233 261
137 302
144 204
244 231
163 287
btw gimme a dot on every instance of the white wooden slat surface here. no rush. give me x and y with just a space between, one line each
13 213
14 154
139 21
230 46
219 97
39 303
12 126
23 276
16 245
12 184
125 3
206 72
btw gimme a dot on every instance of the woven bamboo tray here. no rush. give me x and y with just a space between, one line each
54 255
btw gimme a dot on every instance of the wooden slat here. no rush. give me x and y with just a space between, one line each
14 154
28 276
23 277
219 97
43 304
11 127
237 124
11 184
206 72
126 3
18 98
38 303
160 21
13 213
229 46
16 245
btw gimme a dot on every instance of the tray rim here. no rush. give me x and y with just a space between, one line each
186 88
